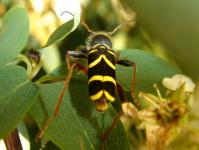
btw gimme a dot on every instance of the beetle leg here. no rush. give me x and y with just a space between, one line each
129 63
113 125
57 106
122 98
128 109
79 53
81 68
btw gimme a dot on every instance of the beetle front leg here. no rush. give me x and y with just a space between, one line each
80 52
46 124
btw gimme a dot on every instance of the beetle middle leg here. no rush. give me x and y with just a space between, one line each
81 53
128 63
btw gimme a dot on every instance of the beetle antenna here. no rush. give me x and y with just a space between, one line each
82 22
87 27
120 26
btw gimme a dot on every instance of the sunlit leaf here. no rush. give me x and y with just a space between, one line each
70 25
13 34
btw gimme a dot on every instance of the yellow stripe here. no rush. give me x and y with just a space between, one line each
96 45
99 59
95 62
111 52
96 77
100 93
108 62
92 51
108 96
97 95
102 46
109 79
102 79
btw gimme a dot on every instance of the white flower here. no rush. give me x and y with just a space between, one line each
176 81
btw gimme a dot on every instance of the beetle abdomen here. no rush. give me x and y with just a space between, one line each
101 76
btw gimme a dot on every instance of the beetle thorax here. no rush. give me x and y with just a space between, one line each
100 39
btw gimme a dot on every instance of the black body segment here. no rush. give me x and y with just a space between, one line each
101 74
101 39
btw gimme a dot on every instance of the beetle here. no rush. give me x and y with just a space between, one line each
101 69
101 60
102 83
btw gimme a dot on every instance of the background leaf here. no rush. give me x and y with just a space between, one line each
17 94
14 34
48 54
79 125
150 70
175 25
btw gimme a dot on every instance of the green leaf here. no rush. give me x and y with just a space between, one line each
62 31
67 27
175 25
78 125
13 34
150 70
17 94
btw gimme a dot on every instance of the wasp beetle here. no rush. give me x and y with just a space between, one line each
101 59
102 83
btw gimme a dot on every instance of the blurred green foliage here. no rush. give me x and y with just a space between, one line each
175 25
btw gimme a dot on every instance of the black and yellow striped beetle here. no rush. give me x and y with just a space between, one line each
101 67
102 82
101 71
